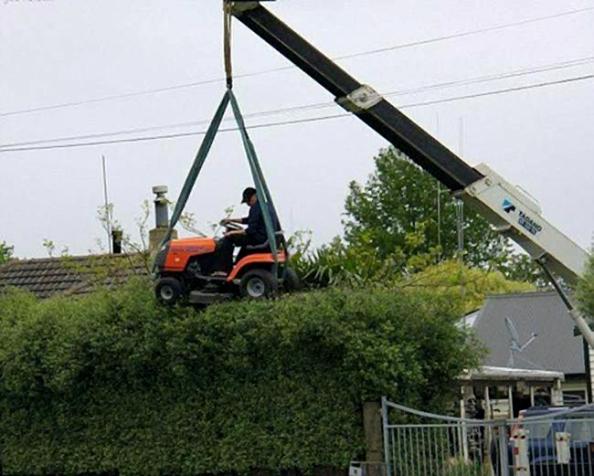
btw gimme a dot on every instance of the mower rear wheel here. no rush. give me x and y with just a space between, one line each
291 281
168 291
258 284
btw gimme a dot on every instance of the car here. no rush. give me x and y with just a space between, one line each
544 426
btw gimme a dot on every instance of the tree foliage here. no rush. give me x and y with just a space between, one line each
113 382
404 215
5 252
464 287
337 264
585 290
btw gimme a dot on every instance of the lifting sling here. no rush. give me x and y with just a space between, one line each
262 191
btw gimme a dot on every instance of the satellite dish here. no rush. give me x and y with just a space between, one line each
515 346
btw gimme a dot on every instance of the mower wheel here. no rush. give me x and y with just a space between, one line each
258 284
168 291
291 280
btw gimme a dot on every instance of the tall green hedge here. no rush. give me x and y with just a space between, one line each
113 382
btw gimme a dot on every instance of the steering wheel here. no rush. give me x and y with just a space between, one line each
232 227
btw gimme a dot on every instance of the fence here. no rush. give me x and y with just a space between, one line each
550 443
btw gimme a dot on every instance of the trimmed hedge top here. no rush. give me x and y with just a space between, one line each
114 382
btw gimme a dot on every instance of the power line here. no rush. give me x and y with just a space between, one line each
299 121
291 67
497 92
468 33
322 105
497 76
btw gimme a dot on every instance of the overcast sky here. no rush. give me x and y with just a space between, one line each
61 51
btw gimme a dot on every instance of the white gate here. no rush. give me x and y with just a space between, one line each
559 442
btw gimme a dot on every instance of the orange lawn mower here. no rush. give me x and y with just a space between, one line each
183 268
184 272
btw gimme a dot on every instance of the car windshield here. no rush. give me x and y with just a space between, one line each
580 430
538 429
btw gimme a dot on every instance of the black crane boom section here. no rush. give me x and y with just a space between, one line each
382 117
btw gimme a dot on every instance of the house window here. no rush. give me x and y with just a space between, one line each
574 397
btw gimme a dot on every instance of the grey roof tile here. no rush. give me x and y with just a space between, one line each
71 275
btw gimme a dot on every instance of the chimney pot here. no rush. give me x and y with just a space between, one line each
161 206
117 237
160 190
157 234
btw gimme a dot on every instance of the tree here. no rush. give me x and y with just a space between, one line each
585 290
403 213
463 287
5 252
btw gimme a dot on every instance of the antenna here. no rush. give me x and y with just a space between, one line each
515 346
461 136
106 204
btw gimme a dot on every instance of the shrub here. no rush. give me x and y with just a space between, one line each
113 382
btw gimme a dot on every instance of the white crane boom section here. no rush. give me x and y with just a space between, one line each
512 212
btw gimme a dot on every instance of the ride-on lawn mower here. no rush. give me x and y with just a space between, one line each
184 268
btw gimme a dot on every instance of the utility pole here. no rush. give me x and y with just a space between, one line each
438 197
106 205
460 227
459 202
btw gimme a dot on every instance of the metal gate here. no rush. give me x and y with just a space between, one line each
556 443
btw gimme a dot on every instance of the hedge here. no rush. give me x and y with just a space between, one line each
112 382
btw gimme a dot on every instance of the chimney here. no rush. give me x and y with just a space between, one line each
116 241
157 234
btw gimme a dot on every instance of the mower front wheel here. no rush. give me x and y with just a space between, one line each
168 291
258 284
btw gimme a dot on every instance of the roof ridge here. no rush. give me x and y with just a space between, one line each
59 259
526 294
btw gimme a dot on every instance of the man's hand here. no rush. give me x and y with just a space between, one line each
227 221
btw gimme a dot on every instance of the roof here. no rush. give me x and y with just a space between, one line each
506 374
543 313
70 275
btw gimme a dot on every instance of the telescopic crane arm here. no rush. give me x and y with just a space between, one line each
508 209
360 99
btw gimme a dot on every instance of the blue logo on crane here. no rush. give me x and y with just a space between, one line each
524 220
508 206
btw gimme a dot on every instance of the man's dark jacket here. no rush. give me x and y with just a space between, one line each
256 227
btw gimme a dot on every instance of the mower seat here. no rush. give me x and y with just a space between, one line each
263 246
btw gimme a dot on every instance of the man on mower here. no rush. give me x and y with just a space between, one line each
254 233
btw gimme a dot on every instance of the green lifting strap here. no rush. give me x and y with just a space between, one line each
261 188
197 165
263 193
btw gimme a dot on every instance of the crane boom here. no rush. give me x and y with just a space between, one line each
360 99
505 206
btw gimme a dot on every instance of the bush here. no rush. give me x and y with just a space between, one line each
113 382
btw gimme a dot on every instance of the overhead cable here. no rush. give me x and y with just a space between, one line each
193 84
322 105
297 121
